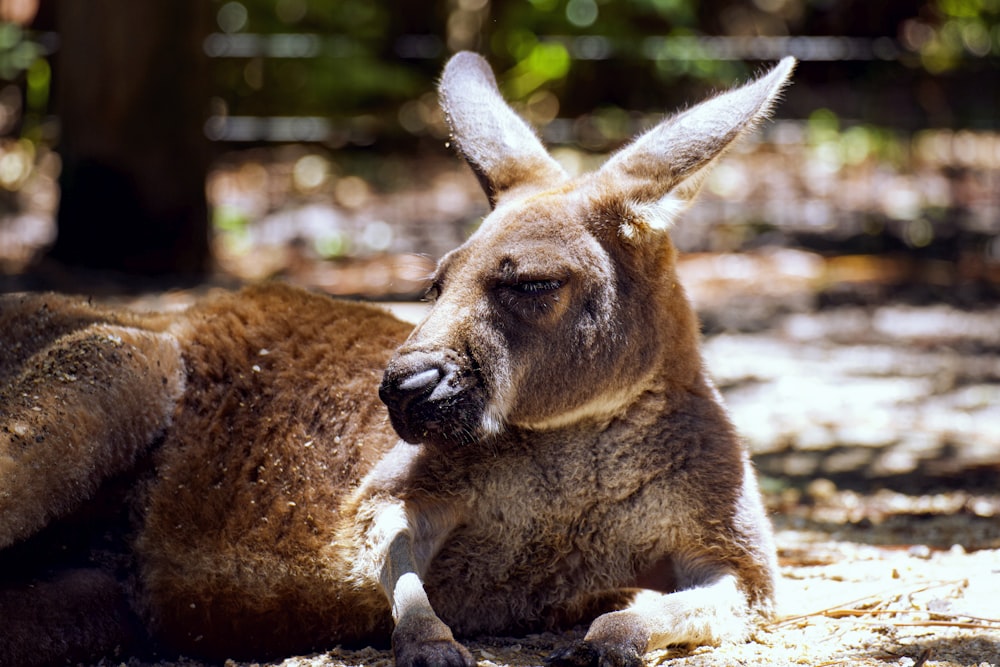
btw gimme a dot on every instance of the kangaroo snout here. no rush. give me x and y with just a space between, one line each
434 398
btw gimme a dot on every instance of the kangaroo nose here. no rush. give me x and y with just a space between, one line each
399 389
408 393
427 394
432 397
418 382
404 387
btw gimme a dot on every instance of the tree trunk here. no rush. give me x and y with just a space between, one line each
131 93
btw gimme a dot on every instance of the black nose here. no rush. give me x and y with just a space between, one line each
430 397
421 381
409 389
399 389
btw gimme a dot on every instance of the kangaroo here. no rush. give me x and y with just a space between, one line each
223 481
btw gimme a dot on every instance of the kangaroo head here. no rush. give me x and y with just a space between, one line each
564 306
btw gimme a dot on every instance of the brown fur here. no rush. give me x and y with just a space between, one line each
565 456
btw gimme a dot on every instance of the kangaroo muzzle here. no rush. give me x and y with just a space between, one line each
433 398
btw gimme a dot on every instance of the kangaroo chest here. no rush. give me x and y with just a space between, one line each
545 533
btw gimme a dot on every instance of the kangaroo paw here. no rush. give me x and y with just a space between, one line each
424 641
587 653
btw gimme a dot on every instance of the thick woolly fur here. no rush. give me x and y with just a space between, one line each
564 455
258 413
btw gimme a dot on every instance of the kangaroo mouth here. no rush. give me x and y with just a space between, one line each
433 402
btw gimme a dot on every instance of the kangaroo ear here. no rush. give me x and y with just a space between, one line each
500 147
658 175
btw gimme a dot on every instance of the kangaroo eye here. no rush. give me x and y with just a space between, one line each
537 287
530 298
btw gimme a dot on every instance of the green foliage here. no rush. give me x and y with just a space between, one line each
352 70
835 146
951 31
557 58
582 53
17 50
539 63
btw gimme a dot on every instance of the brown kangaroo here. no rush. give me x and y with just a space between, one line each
222 481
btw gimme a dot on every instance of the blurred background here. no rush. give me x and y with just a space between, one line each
845 260
302 139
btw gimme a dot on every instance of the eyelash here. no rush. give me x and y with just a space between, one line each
536 288
524 288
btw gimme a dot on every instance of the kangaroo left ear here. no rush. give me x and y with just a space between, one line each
658 175
499 145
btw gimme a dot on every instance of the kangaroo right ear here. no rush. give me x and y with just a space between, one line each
500 147
658 175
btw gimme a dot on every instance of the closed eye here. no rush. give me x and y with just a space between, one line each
536 287
529 296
